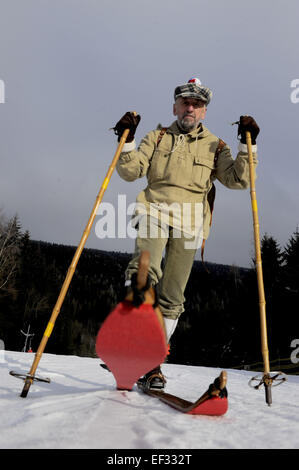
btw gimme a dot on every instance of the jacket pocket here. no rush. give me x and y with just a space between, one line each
158 165
202 169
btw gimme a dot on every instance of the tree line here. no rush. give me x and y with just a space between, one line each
220 325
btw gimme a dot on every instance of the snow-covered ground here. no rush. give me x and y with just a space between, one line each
80 409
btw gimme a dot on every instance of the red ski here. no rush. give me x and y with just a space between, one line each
132 339
212 403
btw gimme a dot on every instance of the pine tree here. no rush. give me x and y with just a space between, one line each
291 258
10 235
272 261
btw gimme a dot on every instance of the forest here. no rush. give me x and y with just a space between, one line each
219 328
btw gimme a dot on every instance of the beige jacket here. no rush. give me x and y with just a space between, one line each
181 169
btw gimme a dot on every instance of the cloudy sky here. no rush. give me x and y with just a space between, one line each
70 69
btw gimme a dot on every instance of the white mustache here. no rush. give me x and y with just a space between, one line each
188 114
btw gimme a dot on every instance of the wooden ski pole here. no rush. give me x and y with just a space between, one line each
259 271
30 377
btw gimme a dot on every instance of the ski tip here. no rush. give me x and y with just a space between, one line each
218 387
222 379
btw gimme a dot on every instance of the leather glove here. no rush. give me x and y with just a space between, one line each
130 121
247 123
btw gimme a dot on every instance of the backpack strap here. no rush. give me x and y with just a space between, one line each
220 147
212 192
162 132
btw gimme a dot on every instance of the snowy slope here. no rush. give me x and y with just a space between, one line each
80 409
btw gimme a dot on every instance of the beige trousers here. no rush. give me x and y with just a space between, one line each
173 272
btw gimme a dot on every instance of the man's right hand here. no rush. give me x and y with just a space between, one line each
130 120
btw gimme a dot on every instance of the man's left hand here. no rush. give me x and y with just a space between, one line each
248 124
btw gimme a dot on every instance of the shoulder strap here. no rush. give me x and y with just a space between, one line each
163 130
220 147
212 192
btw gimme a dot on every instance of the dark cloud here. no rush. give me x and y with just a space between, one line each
71 68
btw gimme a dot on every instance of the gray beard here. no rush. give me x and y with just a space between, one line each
187 126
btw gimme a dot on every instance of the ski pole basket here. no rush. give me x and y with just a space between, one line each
268 381
24 376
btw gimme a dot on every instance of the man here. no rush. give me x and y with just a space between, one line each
173 212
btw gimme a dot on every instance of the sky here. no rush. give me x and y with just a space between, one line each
69 69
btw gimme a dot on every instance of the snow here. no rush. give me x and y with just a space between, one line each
80 409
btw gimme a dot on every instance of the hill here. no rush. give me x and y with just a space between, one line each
219 328
80 409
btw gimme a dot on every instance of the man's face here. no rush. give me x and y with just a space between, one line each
189 112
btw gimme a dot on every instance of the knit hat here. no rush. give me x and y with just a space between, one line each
193 89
